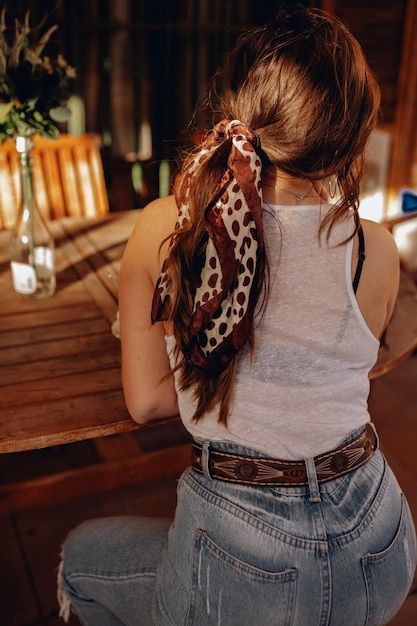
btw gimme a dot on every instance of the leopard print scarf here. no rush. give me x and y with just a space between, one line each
223 304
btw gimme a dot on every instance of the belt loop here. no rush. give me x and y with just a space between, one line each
205 454
376 446
312 480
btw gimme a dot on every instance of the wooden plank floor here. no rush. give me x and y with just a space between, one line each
30 540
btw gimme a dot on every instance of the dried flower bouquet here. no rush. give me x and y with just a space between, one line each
34 88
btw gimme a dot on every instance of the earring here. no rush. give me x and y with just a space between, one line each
332 191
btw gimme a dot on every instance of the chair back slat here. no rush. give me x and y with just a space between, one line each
9 196
70 183
50 180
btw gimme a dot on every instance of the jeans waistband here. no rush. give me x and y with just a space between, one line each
268 472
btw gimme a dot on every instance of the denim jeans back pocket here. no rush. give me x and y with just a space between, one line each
389 573
229 592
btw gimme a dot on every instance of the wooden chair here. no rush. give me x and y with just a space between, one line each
68 178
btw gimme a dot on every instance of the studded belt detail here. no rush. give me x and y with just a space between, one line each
268 472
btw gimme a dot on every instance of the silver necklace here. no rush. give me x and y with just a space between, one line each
299 197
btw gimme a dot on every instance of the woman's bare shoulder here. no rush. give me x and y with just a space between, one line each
157 219
381 254
379 240
378 286
149 240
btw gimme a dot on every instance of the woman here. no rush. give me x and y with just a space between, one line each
266 319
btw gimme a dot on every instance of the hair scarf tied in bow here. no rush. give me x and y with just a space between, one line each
223 304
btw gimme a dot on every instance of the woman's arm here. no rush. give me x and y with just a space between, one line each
144 357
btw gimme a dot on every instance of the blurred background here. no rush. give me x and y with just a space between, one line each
142 66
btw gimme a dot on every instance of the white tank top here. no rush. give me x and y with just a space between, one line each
307 386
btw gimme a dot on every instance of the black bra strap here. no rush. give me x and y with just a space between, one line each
361 258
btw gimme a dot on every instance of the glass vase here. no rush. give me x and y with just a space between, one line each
31 244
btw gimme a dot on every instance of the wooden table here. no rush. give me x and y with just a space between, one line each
60 364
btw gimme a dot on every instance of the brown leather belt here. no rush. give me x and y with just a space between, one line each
267 472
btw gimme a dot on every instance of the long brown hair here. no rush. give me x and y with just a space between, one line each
302 84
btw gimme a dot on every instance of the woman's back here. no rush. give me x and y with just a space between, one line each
272 352
313 347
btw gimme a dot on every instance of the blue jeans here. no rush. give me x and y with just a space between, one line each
341 553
